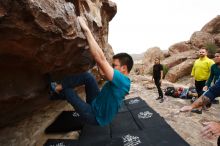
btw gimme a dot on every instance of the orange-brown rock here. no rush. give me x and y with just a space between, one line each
217 39
41 37
179 58
213 26
200 39
179 47
166 53
180 70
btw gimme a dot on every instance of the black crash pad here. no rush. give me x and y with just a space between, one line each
61 142
65 122
164 136
123 108
123 122
145 118
130 138
94 135
135 124
135 103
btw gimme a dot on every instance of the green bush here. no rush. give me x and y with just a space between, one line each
165 70
211 48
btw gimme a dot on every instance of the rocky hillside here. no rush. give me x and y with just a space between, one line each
180 56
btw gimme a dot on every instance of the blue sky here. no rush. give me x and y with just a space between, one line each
142 24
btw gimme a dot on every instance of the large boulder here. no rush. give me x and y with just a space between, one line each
212 27
217 39
178 58
180 70
200 39
179 47
39 38
149 57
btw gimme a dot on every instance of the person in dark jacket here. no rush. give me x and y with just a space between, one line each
214 74
157 77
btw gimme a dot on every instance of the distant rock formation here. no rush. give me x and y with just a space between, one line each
137 57
39 37
149 57
181 56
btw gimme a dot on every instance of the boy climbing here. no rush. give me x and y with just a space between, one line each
100 106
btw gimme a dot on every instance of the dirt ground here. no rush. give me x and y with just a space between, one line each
23 122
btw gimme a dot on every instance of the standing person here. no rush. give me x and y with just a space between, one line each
157 77
100 106
215 73
211 130
201 70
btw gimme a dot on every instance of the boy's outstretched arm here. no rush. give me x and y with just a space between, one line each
96 51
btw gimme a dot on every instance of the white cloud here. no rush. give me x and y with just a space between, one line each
141 24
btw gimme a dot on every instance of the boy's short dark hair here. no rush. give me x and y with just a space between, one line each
125 59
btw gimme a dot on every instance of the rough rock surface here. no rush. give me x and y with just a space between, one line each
39 38
180 70
199 39
178 58
42 40
213 26
179 47
217 39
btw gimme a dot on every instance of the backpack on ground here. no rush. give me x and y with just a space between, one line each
169 91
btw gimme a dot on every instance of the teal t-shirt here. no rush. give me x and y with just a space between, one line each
107 103
214 75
